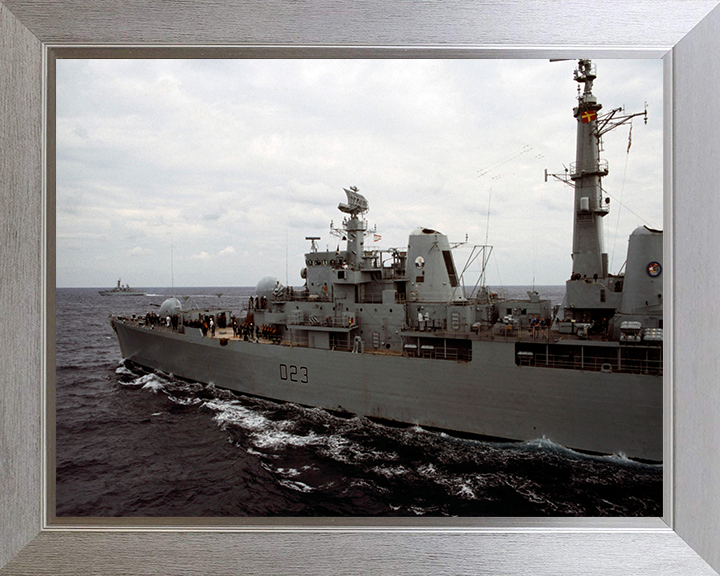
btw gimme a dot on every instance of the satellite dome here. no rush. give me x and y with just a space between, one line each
170 307
266 286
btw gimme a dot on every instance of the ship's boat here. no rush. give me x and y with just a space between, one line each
391 334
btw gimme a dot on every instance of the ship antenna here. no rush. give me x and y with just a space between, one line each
622 189
172 265
487 232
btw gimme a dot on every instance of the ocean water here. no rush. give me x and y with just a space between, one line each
132 442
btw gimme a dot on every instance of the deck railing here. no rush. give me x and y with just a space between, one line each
593 364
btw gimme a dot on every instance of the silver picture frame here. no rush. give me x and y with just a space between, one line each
686 540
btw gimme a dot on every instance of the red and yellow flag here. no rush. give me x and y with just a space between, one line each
588 116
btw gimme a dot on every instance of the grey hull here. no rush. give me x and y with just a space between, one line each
591 411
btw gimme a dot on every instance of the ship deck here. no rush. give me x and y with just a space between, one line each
488 334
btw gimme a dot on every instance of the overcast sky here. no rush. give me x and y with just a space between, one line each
234 162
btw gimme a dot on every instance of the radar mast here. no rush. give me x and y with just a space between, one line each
586 173
354 227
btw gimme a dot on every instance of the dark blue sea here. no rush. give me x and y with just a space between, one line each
132 442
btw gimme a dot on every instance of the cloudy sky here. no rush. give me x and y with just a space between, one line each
229 164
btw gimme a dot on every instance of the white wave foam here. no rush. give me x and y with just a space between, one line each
428 470
184 400
291 472
265 433
267 436
274 438
250 450
619 458
345 451
122 370
234 413
295 485
151 382
464 491
390 471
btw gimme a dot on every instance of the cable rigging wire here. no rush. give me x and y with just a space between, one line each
622 189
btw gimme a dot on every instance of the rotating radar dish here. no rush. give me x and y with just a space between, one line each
356 202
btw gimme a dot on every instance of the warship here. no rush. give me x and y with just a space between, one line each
392 335
121 290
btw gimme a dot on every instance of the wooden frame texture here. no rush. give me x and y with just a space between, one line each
685 33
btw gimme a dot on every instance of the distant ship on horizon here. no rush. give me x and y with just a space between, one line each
121 290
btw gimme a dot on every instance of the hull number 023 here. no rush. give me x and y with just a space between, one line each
294 373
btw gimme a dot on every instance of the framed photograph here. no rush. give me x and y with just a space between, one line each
683 540
211 165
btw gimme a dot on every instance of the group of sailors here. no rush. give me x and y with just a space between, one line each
209 323
246 330
152 319
271 332
257 303
249 332
538 326
283 293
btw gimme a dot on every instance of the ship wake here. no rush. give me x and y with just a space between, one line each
326 464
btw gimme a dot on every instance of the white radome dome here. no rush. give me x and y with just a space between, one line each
170 307
265 286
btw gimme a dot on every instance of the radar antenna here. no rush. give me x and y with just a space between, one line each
356 203
313 242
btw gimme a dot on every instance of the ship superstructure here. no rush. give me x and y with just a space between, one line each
392 334
403 301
